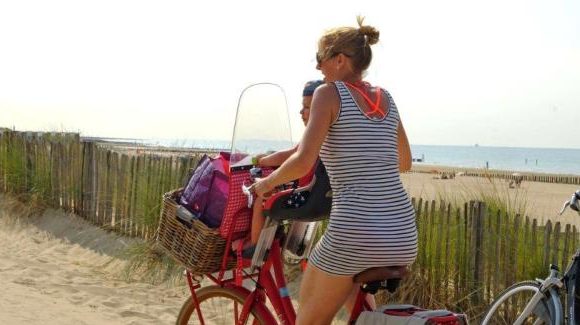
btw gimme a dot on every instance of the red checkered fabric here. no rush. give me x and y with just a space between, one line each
237 216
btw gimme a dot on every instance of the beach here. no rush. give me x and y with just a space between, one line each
57 268
539 200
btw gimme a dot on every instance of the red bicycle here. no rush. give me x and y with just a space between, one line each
249 287
229 301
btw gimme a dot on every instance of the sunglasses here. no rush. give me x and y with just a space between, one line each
320 57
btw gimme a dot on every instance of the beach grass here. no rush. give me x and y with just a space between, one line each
146 261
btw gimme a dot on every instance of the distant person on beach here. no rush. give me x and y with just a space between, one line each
516 181
356 130
277 158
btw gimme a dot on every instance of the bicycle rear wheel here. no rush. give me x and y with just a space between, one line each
219 306
510 304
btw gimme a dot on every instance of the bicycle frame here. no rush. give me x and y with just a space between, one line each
556 305
361 304
271 286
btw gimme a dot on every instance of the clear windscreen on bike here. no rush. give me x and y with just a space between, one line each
262 123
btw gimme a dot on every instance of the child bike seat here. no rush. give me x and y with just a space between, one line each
317 202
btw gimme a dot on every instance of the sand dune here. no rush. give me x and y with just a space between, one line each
51 272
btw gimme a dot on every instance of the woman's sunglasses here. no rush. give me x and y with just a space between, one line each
320 57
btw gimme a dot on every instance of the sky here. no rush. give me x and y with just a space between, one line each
495 73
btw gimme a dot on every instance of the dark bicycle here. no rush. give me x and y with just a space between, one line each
539 302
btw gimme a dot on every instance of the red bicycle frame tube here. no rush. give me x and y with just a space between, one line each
192 288
253 299
279 295
274 286
361 304
276 289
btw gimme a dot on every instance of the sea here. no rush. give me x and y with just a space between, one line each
540 160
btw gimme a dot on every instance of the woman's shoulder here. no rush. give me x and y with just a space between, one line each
326 92
326 100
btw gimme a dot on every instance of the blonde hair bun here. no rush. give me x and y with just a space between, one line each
370 32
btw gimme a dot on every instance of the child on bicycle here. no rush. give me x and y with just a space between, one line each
275 160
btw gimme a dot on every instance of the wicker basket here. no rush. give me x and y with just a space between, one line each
200 249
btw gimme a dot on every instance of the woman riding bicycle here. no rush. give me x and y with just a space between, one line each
356 130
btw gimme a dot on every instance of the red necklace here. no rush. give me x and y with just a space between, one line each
362 90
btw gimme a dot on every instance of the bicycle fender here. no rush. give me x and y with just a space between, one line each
556 307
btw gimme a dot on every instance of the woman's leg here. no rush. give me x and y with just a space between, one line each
321 296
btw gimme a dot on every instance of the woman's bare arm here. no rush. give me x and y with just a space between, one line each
405 160
324 103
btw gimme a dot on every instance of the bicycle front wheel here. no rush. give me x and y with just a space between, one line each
510 304
219 306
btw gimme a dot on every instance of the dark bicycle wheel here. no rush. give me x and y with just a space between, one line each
220 306
510 304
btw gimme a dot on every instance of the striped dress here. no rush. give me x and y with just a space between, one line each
372 221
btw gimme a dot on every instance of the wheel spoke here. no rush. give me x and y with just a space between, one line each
220 311
219 306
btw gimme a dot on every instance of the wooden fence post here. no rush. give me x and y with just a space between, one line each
421 231
447 259
499 274
466 249
458 254
479 215
566 250
547 236
436 266
128 212
121 194
556 246
515 246
93 179
525 247
429 246
536 250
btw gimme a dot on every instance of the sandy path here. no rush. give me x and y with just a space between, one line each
60 269
51 273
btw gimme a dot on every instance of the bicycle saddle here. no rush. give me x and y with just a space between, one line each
316 207
386 277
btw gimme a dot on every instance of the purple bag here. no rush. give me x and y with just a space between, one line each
206 192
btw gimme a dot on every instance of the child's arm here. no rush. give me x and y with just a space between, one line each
257 221
277 158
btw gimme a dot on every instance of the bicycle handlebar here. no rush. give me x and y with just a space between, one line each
247 190
573 203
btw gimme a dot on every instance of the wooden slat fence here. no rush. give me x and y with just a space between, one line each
467 253
509 175
115 190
